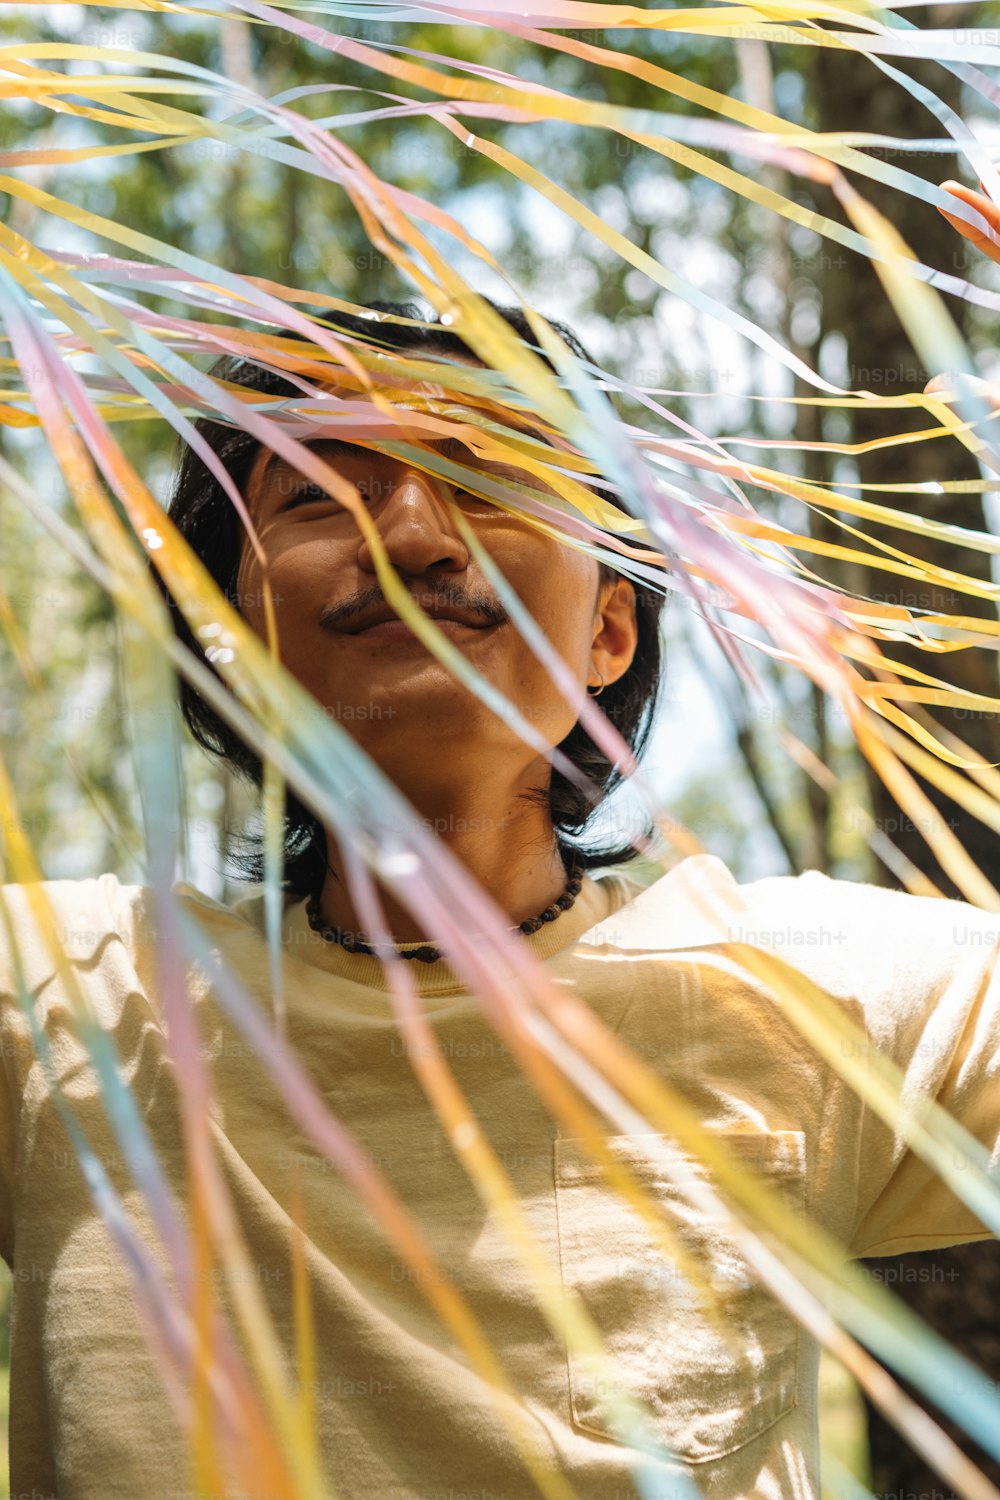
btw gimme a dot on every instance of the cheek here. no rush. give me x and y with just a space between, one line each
558 586
300 577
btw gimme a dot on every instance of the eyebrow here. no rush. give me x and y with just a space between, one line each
336 446
448 447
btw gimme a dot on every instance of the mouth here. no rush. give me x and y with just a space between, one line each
398 630
452 619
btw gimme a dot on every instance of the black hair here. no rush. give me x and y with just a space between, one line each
204 515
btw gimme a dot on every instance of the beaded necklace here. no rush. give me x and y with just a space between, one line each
426 953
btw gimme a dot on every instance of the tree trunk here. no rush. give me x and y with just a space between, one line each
954 1290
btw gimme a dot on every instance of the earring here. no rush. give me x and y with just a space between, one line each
600 690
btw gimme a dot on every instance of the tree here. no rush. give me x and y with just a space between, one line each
955 1290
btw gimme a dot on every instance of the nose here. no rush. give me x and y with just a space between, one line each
415 527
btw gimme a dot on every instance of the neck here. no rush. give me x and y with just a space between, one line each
507 844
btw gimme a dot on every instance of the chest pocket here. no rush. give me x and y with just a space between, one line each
708 1393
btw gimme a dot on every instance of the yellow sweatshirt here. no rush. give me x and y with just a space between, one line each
401 1413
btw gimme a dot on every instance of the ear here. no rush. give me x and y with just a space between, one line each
616 632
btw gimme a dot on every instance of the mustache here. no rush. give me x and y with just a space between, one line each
333 617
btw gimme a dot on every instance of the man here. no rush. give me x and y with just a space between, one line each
401 1411
490 797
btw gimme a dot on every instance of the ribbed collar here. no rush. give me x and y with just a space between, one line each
597 900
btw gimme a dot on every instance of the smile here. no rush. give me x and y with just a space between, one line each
398 630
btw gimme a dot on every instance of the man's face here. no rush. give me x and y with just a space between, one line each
378 679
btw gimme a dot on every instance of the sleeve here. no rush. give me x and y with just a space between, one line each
939 1020
920 975
16 1051
85 911
19 947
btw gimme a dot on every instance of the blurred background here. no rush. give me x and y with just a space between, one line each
716 759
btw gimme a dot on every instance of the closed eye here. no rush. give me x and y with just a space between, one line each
313 494
306 495
467 498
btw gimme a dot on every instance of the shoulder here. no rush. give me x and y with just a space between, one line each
851 936
98 919
701 897
892 938
78 915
